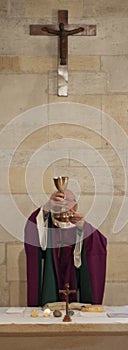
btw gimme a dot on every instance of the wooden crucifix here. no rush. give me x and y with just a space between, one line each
66 292
62 31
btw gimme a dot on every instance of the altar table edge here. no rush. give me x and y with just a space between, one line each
62 329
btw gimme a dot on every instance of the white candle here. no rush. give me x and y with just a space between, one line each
47 312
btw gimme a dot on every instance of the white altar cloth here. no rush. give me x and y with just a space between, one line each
23 316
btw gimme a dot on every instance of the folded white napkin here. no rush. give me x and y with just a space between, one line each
15 310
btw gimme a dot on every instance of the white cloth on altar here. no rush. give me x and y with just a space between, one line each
79 317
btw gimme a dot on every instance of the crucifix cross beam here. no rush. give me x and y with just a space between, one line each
63 30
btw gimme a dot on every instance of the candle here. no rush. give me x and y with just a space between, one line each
47 313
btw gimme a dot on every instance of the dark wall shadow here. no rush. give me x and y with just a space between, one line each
22 279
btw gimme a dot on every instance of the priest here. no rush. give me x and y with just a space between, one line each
61 247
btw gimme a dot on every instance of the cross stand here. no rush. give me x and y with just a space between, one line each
66 292
62 31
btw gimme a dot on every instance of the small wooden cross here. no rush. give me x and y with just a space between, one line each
66 292
62 31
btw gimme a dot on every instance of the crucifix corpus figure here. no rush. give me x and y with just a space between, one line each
63 35
66 292
63 30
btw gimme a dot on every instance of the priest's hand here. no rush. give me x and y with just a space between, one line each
77 219
55 202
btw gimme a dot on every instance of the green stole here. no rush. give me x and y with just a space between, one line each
48 291
83 280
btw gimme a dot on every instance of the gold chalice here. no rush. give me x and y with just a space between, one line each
61 183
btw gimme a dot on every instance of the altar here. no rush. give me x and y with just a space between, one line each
87 330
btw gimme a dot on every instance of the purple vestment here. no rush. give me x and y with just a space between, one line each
94 250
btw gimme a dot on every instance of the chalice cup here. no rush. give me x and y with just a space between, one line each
61 183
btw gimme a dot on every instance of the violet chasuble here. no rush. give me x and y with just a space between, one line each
58 268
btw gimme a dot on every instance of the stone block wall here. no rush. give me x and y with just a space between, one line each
83 135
